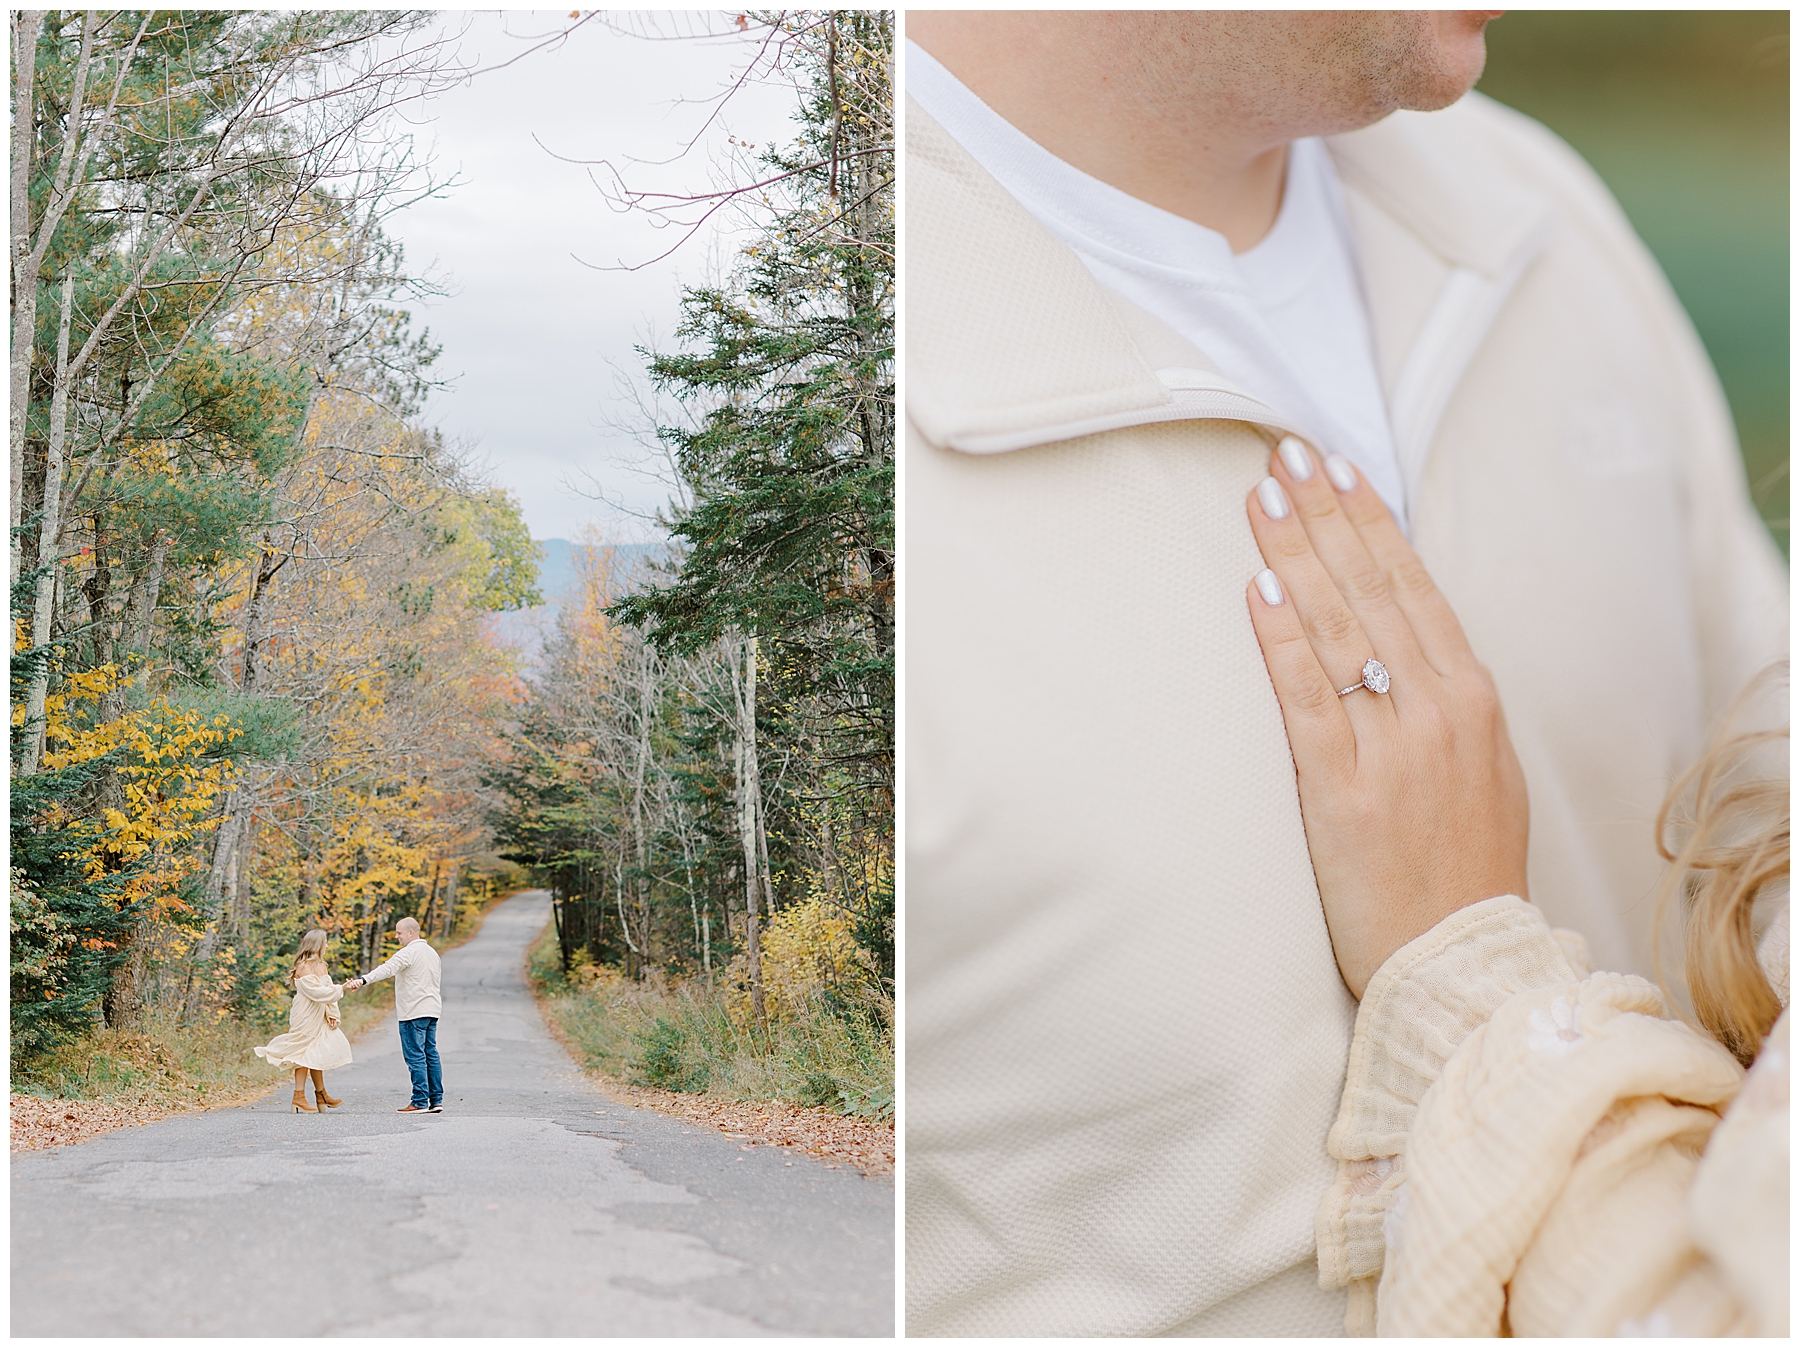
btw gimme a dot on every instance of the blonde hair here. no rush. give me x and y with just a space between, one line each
312 947
1734 852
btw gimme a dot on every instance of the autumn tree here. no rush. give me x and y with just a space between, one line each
249 675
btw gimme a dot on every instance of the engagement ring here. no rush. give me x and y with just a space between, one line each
1375 679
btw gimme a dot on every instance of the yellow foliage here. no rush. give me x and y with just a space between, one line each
151 458
597 642
806 948
168 782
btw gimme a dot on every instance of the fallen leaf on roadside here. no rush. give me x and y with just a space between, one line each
38 1123
865 1144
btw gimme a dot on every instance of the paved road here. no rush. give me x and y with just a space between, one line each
533 1206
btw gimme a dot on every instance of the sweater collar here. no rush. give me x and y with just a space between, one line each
1415 166
1011 342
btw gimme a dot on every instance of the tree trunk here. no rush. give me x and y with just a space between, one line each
634 965
836 879
49 556
212 903
27 540
303 891
144 593
255 614
71 169
687 867
98 590
749 791
25 28
450 903
641 844
237 871
123 1002
762 848
437 867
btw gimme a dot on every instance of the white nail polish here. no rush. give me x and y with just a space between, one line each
1294 456
1342 475
1268 587
1274 501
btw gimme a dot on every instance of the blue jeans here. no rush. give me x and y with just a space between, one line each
418 1042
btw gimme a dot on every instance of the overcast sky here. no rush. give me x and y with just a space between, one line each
529 334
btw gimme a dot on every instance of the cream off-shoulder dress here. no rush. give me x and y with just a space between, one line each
1527 1147
313 1038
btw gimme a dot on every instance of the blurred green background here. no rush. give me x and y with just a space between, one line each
1685 115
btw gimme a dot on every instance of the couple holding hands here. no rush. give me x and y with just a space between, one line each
315 1041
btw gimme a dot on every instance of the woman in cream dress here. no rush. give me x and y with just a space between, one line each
1525 1146
313 1042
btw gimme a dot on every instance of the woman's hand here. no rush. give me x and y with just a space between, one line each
1414 801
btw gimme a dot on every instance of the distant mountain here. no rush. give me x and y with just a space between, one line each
632 566
526 630
557 571
632 563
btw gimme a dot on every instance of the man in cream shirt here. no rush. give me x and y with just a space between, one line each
1142 249
417 973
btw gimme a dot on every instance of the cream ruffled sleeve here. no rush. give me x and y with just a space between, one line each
318 988
1518 1145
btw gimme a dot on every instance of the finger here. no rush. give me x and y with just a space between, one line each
1346 559
1318 730
1434 624
1337 637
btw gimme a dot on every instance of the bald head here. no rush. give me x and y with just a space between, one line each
407 929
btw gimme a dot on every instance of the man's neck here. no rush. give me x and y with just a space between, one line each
1207 151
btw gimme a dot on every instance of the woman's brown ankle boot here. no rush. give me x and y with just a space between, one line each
318 1079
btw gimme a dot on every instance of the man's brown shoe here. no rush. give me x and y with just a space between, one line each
409 1109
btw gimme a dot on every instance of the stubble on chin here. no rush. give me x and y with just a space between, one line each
1419 61
1289 73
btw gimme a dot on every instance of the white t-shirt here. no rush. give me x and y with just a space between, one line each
1285 321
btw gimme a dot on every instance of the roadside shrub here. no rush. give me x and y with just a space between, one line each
660 1060
829 1047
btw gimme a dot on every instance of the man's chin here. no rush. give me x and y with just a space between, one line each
1448 84
1438 100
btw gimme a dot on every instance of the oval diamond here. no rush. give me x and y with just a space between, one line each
1375 677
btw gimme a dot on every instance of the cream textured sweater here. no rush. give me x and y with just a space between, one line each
1531 1149
1125 1031
416 971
